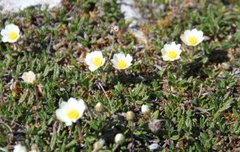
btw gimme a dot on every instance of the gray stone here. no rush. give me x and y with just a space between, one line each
17 5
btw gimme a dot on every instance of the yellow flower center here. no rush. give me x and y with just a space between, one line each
28 77
12 35
121 64
73 114
192 40
172 54
97 61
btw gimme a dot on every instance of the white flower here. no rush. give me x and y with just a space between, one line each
192 37
119 138
29 77
94 60
10 33
171 52
70 111
145 109
121 61
19 148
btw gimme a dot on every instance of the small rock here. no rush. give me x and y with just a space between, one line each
155 126
226 66
153 146
17 5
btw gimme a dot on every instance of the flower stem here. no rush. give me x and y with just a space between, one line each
79 131
109 102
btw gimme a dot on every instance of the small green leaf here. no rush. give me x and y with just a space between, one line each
175 137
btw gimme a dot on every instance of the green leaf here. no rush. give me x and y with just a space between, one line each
175 137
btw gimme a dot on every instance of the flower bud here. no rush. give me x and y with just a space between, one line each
145 109
98 145
34 148
119 138
99 107
130 116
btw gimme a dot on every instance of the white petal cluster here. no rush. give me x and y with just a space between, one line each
94 60
29 77
70 111
19 148
192 37
121 61
171 52
10 33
